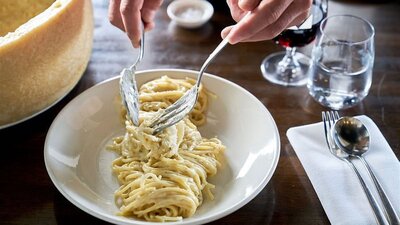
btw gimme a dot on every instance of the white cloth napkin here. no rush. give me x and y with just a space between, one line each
336 185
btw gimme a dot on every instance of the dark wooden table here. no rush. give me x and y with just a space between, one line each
27 196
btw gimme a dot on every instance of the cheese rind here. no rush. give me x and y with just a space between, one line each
44 58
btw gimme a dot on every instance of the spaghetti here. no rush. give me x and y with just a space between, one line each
163 177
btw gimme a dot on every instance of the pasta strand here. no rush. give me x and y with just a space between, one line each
163 177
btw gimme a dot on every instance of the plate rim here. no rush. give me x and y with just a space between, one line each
207 219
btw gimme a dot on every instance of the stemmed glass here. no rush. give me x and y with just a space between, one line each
290 68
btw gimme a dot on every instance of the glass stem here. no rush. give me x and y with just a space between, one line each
290 52
289 65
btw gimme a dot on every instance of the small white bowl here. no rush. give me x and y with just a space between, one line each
190 13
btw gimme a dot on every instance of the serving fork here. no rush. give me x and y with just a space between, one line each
177 111
329 118
128 87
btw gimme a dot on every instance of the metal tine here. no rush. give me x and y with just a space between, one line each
174 109
162 126
331 122
171 121
335 116
332 117
166 116
180 101
325 120
329 118
175 118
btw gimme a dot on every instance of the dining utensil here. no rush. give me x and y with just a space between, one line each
329 118
128 87
88 181
351 135
177 111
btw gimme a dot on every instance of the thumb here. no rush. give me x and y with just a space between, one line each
226 31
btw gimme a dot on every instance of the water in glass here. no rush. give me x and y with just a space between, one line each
340 73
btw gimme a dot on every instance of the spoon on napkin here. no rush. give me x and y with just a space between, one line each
351 135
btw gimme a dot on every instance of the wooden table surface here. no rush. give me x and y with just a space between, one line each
27 195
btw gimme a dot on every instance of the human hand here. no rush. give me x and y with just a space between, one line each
265 20
128 15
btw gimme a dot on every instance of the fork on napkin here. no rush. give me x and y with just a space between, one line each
338 189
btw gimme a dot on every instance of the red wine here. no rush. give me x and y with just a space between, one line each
302 37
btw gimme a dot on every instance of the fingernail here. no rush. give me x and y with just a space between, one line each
233 39
240 3
135 44
224 33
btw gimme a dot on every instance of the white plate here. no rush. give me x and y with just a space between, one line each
80 166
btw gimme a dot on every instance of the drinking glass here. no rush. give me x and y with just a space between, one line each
340 73
290 68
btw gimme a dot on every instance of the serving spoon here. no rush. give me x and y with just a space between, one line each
351 135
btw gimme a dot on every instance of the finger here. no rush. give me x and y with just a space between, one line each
148 17
235 10
148 12
265 14
226 31
131 17
232 3
149 26
291 17
153 4
239 15
114 15
298 20
248 5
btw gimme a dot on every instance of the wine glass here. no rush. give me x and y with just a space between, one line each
290 68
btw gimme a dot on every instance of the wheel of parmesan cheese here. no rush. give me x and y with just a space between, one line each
45 46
